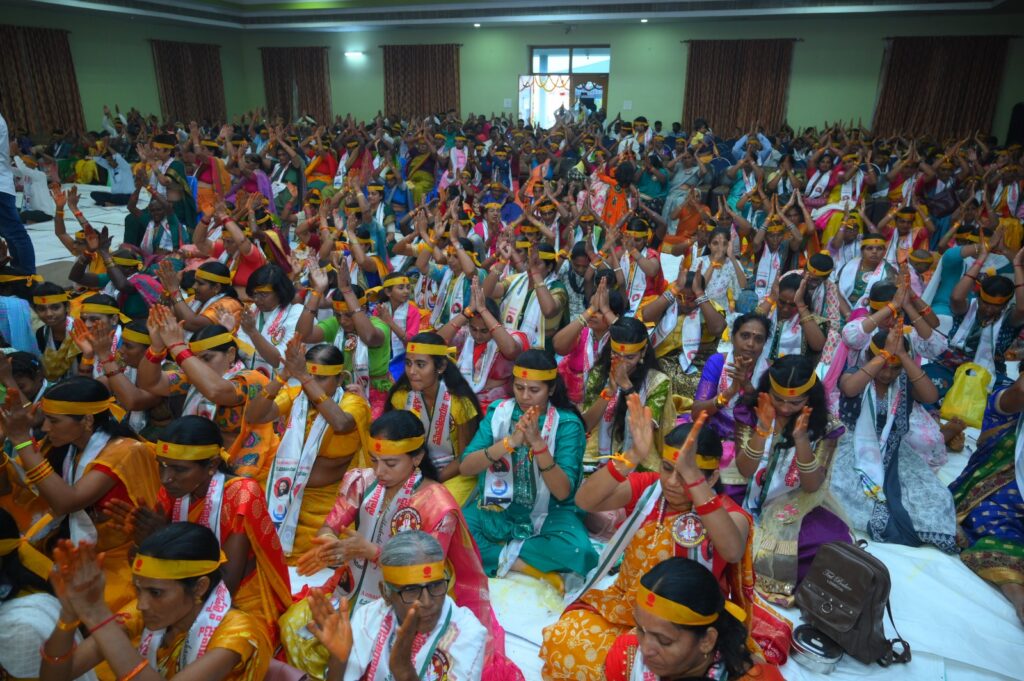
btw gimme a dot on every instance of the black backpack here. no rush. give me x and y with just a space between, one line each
845 595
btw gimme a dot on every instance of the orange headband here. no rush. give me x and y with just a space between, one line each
793 392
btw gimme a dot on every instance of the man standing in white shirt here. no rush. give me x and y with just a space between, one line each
12 230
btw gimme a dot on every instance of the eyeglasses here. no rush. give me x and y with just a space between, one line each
410 594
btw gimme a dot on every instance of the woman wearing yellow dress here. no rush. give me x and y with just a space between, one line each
105 461
434 389
325 435
183 627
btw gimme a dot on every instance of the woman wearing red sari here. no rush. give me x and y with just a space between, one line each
197 487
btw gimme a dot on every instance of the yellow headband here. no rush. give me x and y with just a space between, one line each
342 306
793 392
379 447
524 244
135 336
407 575
876 351
29 556
878 304
677 613
872 240
811 269
127 262
263 288
169 450
535 374
96 308
776 227
396 281
430 349
916 258
375 188
991 299
529 229
161 145
637 234
324 369
212 342
545 255
628 348
210 276
210 143
76 408
705 463
29 278
50 300
159 568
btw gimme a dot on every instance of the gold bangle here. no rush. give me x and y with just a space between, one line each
68 626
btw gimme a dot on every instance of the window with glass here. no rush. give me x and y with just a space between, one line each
569 60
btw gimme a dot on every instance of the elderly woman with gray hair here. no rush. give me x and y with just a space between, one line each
415 603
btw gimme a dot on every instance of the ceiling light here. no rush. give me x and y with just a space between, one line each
476 25
354 53
643 21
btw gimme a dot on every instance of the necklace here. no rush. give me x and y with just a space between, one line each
687 528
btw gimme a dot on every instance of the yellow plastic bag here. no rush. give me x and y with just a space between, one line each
968 395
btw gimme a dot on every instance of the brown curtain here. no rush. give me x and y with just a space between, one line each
420 79
38 88
296 81
733 84
940 86
189 80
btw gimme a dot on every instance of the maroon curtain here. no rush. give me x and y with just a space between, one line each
189 81
297 82
420 79
38 87
940 86
734 84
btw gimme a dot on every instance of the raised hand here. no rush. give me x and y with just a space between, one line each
326 552
765 411
641 429
330 626
687 460
83 339
294 358
400 660
800 426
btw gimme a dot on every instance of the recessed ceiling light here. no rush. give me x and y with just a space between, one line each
354 53
643 21
476 25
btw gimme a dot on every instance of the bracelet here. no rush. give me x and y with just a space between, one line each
507 444
87 361
182 356
535 452
892 308
1019 286
870 375
691 485
112 357
807 467
21 445
701 300
488 456
806 318
762 433
721 400
886 355
39 473
111 374
970 276
68 626
103 624
607 395
751 454
59 213
710 506
135 672
315 293
155 357
171 347
915 380
56 659
468 313
616 474
547 468
491 330
320 400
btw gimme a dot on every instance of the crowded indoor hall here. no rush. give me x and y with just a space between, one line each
366 340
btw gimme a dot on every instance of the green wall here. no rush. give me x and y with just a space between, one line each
836 64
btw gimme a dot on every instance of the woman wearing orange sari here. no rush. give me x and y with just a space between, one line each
197 488
400 492
616 203
672 512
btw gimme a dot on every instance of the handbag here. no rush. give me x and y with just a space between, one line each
845 595
967 397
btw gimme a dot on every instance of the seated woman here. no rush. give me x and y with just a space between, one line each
233 248
581 341
105 461
403 317
786 455
28 609
688 331
626 366
197 487
984 326
326 431
685 628
879 478
399 493
215 385
433 388
857 276
528 459
269 328
795 329
725 379
378 642
183 626
486 349
365 340
98 313
987 496
214 297
725 277
672 512
146 412
54 338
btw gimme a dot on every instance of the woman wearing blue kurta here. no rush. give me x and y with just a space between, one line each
528 456
988 498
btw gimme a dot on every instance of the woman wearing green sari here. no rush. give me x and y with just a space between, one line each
419 170
527 456
988 498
